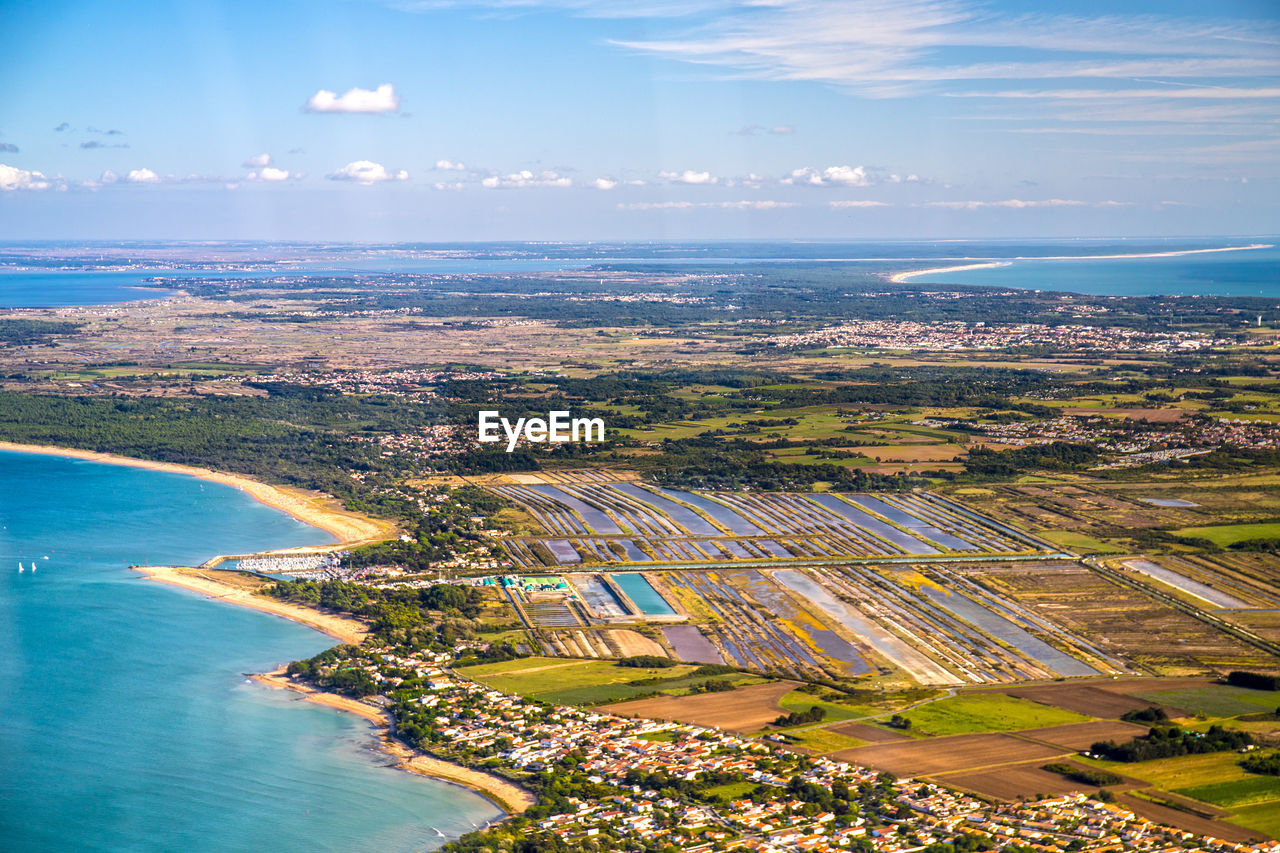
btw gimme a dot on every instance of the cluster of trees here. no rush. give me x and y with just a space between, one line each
392 611
1084 775
1171 741
815 714
647 662
1254 680
15 332
1150 714
1058 456
1267 765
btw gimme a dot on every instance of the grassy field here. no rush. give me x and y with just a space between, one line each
1264 817
1248 791
1079 543
1227 534
536 677
591 682
986 712
1217 701
824 741
732 790
798 700
1185 771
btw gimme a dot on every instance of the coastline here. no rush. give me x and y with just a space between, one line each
898 278
349 529
508 796
317 510
341 628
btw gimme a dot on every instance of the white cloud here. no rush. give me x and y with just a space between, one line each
270 174
366 173
257 161
832 176
525 179
454 186
1019 204
688 176
899 48
693 205
109 177
13 178
356 100
604 183
847 203
757 129
142 176
450 166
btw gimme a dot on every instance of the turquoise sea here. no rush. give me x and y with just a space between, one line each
126 720
1247 273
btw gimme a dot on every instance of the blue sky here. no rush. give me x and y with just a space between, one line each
585 119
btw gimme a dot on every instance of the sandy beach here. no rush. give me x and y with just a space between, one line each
318 510
508 796
237 588
898 278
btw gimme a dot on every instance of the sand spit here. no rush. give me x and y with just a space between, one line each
207 582
898 278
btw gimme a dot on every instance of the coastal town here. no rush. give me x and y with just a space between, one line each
638 784
956 335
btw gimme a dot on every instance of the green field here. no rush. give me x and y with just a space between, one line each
1079 542
1184 771
798 700
824 741
731 790
986 712
1264 817
1227 534
1238 792
1218 701
590 682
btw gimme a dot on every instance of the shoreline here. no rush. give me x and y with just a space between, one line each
310 508
506 795
341 628
898 278
348 528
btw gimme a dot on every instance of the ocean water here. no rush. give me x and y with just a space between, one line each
1247 273
67 287
128 722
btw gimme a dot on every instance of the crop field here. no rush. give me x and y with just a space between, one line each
1246 791
986 712
868 732
1087 699
1011 782
591 682
591 521
1217 700
935 756
746 709
1081 736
